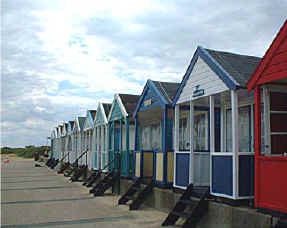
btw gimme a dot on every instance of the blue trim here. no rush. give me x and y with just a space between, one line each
164 145
223 75
141 165
149 85
89 116
162 184
154 165
218 69
163 100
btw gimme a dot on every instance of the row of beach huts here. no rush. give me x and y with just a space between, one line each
221 132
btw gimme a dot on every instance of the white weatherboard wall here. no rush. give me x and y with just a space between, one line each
203 76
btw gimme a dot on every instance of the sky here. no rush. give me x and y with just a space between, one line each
61 57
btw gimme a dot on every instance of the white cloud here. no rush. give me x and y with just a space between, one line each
61 58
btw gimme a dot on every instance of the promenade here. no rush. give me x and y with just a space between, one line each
38 197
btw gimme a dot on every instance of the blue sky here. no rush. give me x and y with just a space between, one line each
60 58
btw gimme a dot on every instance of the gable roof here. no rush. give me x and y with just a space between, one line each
61 129
102 113
57 132
93 114
129 101
90 118
79 123
280 38
107 108
166 91
70 126
65 130
233 69
126 103
239 67
53 133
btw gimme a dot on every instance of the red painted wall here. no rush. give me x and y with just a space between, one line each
272 184
277 67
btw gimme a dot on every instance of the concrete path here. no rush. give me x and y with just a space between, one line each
38 197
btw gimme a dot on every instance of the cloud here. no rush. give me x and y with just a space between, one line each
60 58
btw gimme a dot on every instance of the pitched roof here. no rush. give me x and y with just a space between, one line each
81 122
266 61
167 89
93 113
129 101
107 108
71 122
239 67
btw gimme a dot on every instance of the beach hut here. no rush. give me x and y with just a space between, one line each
53 143
101 136
66 139
52 161
153 155
78 147
214 124
121 132
62 141
58 142
69 140
269 83
88 136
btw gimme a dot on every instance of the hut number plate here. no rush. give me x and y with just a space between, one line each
148 102
198 92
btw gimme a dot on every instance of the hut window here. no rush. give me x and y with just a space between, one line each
200 132
151 137
262 130
155 136
123 137
244 129
183 134
146 137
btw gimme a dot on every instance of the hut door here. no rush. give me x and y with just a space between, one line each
278 123
117 139
201 148
117 147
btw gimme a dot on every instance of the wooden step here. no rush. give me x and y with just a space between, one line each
188 202
198 207
180 214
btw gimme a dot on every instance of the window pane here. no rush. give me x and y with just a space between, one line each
145 138
228 131
183 134
200 132
156 137
244 129
262 130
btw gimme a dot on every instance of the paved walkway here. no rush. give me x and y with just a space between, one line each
38 197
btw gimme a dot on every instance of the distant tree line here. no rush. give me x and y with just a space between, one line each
27 152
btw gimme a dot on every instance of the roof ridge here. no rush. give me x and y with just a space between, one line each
228 52
165 91
231 67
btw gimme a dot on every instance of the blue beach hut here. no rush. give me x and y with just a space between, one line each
213 124
153 155
121 132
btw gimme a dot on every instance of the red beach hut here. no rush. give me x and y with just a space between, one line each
270 84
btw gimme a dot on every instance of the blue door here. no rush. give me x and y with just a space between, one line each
116 148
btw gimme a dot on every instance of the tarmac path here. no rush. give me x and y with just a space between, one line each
38 197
